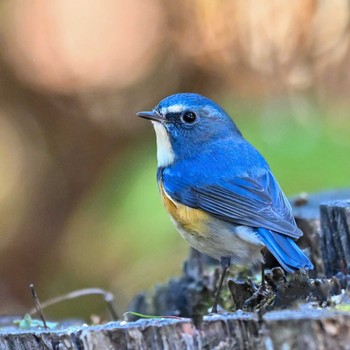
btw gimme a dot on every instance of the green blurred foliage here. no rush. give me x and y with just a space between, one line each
307 147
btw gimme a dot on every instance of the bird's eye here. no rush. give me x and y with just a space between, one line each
189 117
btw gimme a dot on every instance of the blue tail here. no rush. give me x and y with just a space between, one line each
285 250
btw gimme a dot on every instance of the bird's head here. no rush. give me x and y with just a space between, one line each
184 123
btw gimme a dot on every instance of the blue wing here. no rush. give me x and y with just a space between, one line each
243 200
234 183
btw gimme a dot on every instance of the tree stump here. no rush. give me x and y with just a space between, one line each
335 236
309 329
306 210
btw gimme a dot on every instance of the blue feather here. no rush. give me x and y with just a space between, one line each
219 183
285 250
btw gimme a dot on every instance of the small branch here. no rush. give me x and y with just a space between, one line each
37 305
107 296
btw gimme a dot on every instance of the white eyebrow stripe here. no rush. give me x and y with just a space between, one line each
173 109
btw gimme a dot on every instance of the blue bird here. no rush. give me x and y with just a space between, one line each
218 189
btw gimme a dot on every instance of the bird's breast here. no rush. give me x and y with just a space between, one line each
210 235
189 219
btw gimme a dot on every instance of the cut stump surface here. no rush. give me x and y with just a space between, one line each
309 329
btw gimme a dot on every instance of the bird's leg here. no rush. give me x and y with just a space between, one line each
225 264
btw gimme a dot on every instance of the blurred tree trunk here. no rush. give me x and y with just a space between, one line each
76 151
68 140
71 147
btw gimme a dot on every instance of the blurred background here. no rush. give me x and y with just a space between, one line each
79 204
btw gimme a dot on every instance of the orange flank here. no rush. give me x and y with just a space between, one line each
189 219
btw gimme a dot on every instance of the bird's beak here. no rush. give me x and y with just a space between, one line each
152 115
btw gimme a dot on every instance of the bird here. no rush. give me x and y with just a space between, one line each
218 189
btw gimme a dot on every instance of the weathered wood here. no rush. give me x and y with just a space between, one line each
309 329
306 210
335 236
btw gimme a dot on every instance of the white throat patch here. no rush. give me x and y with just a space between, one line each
165 153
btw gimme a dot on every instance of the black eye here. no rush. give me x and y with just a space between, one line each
189 117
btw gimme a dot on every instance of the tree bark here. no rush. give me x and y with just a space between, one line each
335 236
306 210
309 329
